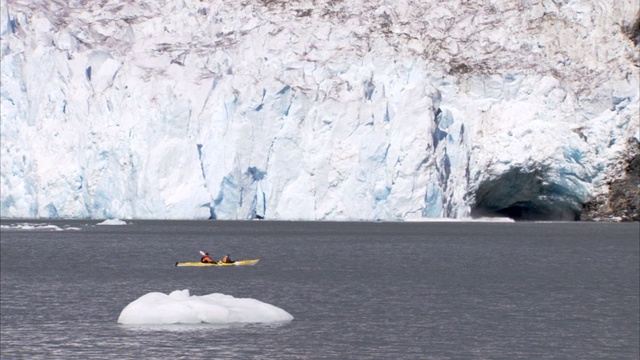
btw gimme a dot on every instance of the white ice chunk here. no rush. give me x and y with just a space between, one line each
180 307
113 222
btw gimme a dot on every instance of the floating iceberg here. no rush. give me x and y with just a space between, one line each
180 307
113 222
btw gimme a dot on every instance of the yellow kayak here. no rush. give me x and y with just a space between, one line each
235 263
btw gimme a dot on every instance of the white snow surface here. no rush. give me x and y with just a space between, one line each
179 307
315 110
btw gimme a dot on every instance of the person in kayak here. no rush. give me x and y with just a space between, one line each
206 259
227 260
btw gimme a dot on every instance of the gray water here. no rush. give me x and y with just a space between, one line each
444 290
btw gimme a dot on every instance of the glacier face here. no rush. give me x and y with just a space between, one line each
317 110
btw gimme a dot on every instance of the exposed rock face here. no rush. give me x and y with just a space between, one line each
622 202
634 30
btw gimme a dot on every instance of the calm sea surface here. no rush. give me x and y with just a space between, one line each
443 290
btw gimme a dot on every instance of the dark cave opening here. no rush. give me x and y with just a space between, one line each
527 211
525 196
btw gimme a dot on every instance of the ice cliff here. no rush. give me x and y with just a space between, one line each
314 109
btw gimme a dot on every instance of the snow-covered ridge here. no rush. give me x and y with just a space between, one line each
313 110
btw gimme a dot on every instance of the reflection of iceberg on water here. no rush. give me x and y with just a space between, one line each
181 308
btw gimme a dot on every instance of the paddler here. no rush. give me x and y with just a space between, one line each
206 259
227 260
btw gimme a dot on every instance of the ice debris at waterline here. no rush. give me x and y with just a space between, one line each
28 226
180 307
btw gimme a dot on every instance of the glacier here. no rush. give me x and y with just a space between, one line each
314 110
